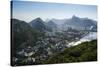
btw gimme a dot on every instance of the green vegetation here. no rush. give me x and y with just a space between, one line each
86 51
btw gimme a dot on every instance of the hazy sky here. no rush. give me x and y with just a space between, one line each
28 11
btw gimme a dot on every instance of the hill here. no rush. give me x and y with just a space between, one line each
22 38
83 52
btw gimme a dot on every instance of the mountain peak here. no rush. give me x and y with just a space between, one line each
37 20
75 17
51 22
38 24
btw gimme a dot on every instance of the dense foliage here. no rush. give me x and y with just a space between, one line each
86 51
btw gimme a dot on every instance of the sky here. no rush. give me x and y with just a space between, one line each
29 10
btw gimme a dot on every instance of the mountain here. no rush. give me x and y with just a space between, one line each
63 24
59 21
19 26
22 35
51 26
38 24
80 23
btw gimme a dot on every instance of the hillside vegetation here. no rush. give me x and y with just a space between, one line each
86 51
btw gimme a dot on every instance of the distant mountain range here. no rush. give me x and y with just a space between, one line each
80 23
64 24
77 23
40 25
